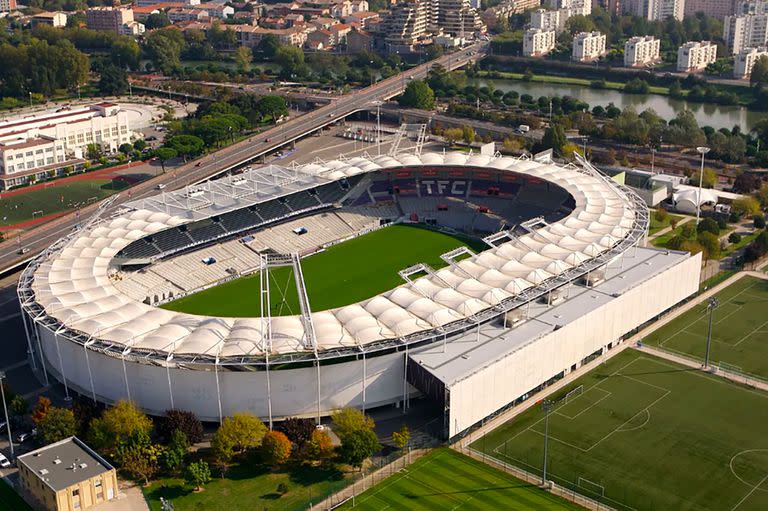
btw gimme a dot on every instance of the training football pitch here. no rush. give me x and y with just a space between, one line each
345 273
739 329
641 433
445 479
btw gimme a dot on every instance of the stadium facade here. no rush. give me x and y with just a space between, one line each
557 236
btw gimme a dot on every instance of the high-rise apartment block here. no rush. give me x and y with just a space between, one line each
538 42
641 51
695 56
588 46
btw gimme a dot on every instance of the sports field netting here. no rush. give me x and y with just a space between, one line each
346 273
739 329
646 434
445 479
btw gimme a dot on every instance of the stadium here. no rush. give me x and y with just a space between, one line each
469 279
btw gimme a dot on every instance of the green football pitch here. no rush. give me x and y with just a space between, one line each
345 273
445 479
739 329
55 199
641 433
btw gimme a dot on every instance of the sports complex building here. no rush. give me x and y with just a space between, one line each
563 276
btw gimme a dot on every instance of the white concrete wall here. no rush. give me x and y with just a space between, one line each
485 392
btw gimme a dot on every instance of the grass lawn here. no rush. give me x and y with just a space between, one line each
656 225
346 273
647 434
249 486
739 328
10 500
55 199
445 479
745 240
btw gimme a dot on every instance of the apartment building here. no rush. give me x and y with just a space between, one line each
538 42
543 19
588 46
715 8
695 56
66 476
7 5
456 18
745 61
52 19
118 20
655 10
748 28
405 25
641 51
573 7
32 147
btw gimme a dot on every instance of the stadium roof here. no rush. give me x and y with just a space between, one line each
73 286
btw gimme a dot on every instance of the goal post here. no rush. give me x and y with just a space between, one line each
591 487
572 394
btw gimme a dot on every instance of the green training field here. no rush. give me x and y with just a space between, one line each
646 434
346 273
739 329
55 199
445 479
10 500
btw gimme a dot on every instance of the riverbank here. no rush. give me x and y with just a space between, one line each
566 80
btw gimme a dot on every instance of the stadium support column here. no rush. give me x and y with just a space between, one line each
218 388
168 374
88 365
61 364
40 350
365 377
317 361
29 339
125 374
405 378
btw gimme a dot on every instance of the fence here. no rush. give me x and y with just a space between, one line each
561 491
381 469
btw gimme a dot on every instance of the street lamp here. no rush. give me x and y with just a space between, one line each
5 410
546 405
711 306
702 150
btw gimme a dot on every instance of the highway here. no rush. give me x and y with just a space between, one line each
237 155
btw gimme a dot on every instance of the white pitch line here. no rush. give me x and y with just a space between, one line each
750 492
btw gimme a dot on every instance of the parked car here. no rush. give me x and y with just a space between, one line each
23 437
4 463
23 251
160 186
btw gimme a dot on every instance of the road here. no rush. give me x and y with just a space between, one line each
38 239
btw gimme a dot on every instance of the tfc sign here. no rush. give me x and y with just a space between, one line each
442 187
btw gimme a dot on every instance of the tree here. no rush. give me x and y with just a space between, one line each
19 406
126 148
57 424
164 154
243 58
710 245
417 95
113 81
661 215
758 221
402 437
93 151
268 46
319 446
186 145
164 48
117 424
708 225
298 431
140 144
746 182
745 206
554 137
272 106
709 181
290 58
198 474
759 76
157 20
734 237
175 453
236 434
348 420
41 409
180 420
125 52
275 448
357 446
468 134
139 457
452 135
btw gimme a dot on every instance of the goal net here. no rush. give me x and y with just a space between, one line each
591 487
571 395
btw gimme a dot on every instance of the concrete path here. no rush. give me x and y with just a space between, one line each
665 230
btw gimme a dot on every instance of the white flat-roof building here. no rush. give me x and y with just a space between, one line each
696 55
588 46
538 42
745 61
641 51
549 20
745 31
32 147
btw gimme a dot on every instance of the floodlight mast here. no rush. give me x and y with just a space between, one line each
703 150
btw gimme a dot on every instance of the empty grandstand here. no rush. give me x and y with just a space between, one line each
90 302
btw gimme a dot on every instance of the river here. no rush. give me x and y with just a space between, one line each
717 116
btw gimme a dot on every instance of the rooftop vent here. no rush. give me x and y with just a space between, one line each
43 471
56 461
83 465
